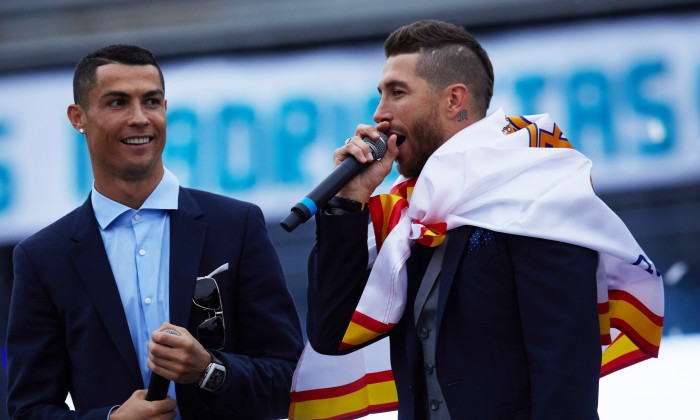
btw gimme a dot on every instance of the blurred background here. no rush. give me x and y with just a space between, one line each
260 92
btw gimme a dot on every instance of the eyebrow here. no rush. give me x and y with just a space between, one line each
119 94
393 83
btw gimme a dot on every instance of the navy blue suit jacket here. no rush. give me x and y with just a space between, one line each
68 332
517 321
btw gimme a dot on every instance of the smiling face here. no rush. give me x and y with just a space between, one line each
413 112
125 124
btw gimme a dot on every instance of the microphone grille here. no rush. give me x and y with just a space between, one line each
170 331
378 146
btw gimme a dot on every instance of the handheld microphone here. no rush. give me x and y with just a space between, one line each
341 175
158 386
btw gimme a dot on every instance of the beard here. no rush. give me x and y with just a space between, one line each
427 135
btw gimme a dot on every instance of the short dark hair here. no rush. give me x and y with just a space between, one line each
84 78
448 54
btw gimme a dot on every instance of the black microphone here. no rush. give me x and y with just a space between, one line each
341 175
158 386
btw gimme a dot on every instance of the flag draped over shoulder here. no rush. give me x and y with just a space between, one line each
519 176
343 387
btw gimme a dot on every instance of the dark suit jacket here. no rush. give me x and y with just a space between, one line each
517 321
68 332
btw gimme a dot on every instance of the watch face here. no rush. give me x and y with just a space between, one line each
217 378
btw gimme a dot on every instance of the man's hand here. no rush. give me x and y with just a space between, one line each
363 185
137 408
178 358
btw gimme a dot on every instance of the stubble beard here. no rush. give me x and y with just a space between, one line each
427 136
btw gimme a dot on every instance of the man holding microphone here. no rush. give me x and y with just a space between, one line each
492 260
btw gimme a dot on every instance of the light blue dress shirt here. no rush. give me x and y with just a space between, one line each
138 248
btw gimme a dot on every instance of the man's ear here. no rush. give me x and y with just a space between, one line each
457 96
76 115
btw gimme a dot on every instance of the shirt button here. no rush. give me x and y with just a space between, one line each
137 216
429 369
142 252
434 404
148 301
423 333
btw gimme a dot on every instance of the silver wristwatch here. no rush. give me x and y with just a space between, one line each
214 375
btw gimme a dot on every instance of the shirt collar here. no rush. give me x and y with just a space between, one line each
163 197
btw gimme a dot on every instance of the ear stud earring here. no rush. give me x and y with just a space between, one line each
82 130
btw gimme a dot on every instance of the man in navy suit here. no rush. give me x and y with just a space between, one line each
496 325
94 291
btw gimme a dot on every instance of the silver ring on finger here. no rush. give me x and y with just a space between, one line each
348 140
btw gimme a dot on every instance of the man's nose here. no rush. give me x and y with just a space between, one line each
382 112
138 116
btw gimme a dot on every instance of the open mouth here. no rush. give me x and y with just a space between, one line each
137 140
399 140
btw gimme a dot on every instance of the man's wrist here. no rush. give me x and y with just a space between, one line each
362 195
112 410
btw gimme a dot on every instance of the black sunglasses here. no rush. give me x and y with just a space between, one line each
210 333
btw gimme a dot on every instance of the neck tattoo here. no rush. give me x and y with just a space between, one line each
462 115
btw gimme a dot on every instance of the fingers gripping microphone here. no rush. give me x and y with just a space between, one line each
341 175
158 386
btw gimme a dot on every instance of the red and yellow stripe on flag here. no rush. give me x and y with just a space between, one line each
404 189
385 209
431 235
361 329
373 393
604 320
640 332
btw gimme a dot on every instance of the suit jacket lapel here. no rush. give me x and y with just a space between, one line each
91 263
453 257
187 236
